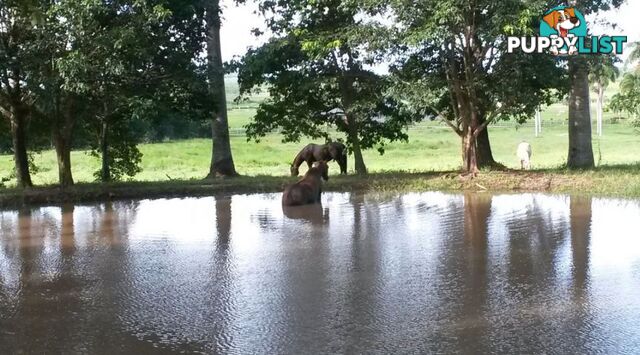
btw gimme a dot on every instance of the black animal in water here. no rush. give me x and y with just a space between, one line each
308 189
321 152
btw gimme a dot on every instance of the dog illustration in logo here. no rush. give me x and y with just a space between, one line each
563 21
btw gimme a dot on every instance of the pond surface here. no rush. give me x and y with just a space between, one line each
430 272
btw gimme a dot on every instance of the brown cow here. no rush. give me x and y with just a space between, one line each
308 189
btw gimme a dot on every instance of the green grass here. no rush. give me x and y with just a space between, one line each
431 147
429 161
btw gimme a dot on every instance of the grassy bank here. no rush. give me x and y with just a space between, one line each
621 181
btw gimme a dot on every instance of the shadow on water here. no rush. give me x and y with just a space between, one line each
429 272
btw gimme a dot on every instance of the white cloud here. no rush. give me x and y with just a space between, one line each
625 19
238 21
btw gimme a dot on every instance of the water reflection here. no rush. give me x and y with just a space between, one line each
314 213
360 273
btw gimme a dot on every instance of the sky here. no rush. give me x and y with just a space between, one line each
239 20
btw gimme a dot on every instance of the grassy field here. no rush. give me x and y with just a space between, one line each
432 147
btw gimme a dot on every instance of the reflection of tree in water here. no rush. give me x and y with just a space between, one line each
580 220
366 215
113 220
220 308
581 318
365 272
535 240
47 313
473 271
121 299
67 231
223 222
23 252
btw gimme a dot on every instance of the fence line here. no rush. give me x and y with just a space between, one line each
241 132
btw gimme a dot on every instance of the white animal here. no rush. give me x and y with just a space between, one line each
524 154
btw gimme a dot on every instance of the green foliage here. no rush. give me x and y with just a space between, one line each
88 65
134 61
628 99
124 159
441 54
603 71
592 6
634 56
317 70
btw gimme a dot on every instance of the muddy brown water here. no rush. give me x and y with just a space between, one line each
427 272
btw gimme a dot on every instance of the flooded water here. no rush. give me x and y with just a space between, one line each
427 272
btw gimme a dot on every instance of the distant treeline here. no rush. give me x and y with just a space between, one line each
167 128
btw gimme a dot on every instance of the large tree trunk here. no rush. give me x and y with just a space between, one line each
483 146
62 143
105 172
61 132
221 158
20 156
580 148
361 168
346 90
469 153
470 132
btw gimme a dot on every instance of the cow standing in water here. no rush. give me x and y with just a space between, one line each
524 154
321 152
308 189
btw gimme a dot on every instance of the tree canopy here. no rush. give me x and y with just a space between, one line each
454 64
319 69
101 68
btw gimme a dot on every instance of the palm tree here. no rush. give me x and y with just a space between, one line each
580 155
602 74
629 82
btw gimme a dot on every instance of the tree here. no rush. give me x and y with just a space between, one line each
603 72
455 66
130 61
54 105
221 158
580 148
628 98
634 56
101 54
318 71
16 55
